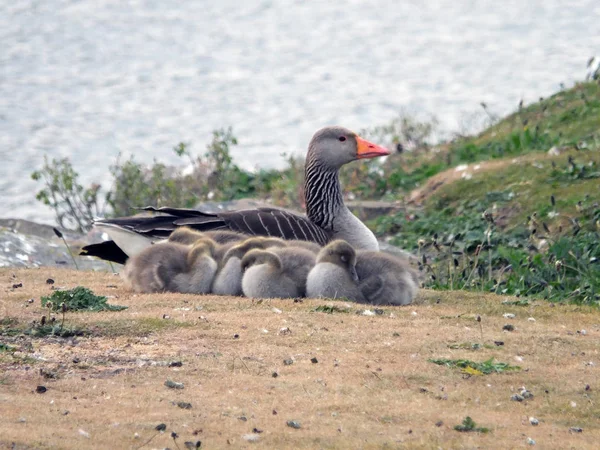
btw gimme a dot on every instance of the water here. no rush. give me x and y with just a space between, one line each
90 79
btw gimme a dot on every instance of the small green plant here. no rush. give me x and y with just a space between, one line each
78 299
468 425
486 367
330 309
74 205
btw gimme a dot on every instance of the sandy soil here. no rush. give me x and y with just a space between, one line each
369 384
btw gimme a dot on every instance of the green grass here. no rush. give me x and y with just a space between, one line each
78 299
469 425
475 368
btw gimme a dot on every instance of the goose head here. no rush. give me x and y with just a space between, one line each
255 257
239 250
202 247
341 254
185 236
335 146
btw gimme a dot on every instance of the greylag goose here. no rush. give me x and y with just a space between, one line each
334 274
364 276
276 273
326 218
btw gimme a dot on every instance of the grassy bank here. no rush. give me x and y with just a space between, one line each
256 370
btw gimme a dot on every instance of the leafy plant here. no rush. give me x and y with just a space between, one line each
74 205
78 299
469 425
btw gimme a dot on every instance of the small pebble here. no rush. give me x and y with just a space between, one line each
84 433
294 424
49 281
533 421
508 315
531 319
184 405
498 343
274 374
251 437
367 312
517 398
236 336
243 418
573 405
31 300
525 393
256 430
530 441
508 327
160 427
173 384
276 310
379 312
166 316
41 389
192 445
575 430
285 331
288 362
17 285
439 423
314 360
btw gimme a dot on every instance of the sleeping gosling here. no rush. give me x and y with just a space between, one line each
276 273
187 236
228 280
334 274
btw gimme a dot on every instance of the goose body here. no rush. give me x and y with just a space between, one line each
276 273
327 217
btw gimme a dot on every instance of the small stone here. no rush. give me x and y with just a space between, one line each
575 430
17 285
160 427
498 343
525 393
533 421
84 433
76 360
367 312
251 437
175 364
49 281
31 300
285 331
236 336
288 362
256 430
294 424
573 404
243 418
530 441
136 435
274 374
379 312
531 319
439 423
583 332
508 327
517 398
314 360
41 389
274 412
173 384
192 445
508 315
587 387
184 405
276 310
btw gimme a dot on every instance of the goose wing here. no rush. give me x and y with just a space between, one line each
257 222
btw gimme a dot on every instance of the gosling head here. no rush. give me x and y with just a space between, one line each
256 256
185 235
341 254
202 247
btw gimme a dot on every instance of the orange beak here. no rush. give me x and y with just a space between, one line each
367 149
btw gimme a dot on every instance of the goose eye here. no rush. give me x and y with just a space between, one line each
342 138
344 258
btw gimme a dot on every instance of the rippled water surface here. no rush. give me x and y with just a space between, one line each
89 79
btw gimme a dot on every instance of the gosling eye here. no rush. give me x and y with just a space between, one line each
342 138
344 258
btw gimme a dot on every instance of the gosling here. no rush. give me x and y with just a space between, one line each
229 277
334 274
172 267
365 277
276 273
188 236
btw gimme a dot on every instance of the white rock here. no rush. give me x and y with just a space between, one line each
533 421
508 315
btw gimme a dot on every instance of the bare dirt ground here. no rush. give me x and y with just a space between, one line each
355 381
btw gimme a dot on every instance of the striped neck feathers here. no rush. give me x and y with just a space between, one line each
322 191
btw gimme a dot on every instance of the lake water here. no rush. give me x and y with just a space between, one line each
90 79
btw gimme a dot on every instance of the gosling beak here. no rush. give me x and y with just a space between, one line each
353 274
367 149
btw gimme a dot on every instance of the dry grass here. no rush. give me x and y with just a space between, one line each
372 387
